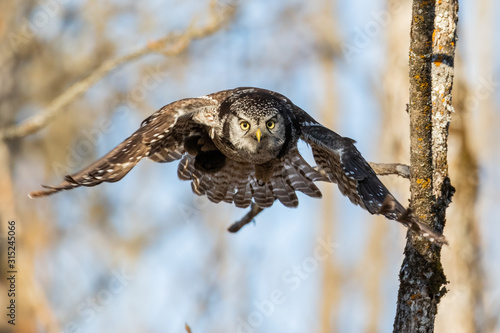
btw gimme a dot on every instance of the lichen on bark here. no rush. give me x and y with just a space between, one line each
432 51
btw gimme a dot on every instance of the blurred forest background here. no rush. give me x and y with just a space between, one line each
147 255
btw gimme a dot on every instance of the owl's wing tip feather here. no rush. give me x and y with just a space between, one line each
421 229
48 190
42 193
392 209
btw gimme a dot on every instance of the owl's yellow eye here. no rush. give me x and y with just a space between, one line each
270 124
245 125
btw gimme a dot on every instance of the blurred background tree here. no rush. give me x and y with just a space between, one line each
146 254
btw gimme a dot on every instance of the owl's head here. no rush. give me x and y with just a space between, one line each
256 126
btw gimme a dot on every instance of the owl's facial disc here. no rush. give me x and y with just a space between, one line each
259 138
256 128
259 130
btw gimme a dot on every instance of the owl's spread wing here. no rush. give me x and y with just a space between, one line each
341 162
159 138
237 183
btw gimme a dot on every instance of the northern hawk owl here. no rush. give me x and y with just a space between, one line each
240 146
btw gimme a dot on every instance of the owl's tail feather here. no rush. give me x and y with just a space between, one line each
237 182
110 168
302 176
294 174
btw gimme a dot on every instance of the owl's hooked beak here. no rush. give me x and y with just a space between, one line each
258 134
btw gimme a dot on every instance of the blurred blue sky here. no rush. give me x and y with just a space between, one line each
178 276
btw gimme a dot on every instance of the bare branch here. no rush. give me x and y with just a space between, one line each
383 169
254 211
170 45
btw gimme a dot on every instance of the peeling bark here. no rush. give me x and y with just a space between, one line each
432 51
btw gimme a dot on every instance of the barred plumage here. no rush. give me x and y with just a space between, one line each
240 146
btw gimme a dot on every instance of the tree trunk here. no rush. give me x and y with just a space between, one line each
432 51
332 277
